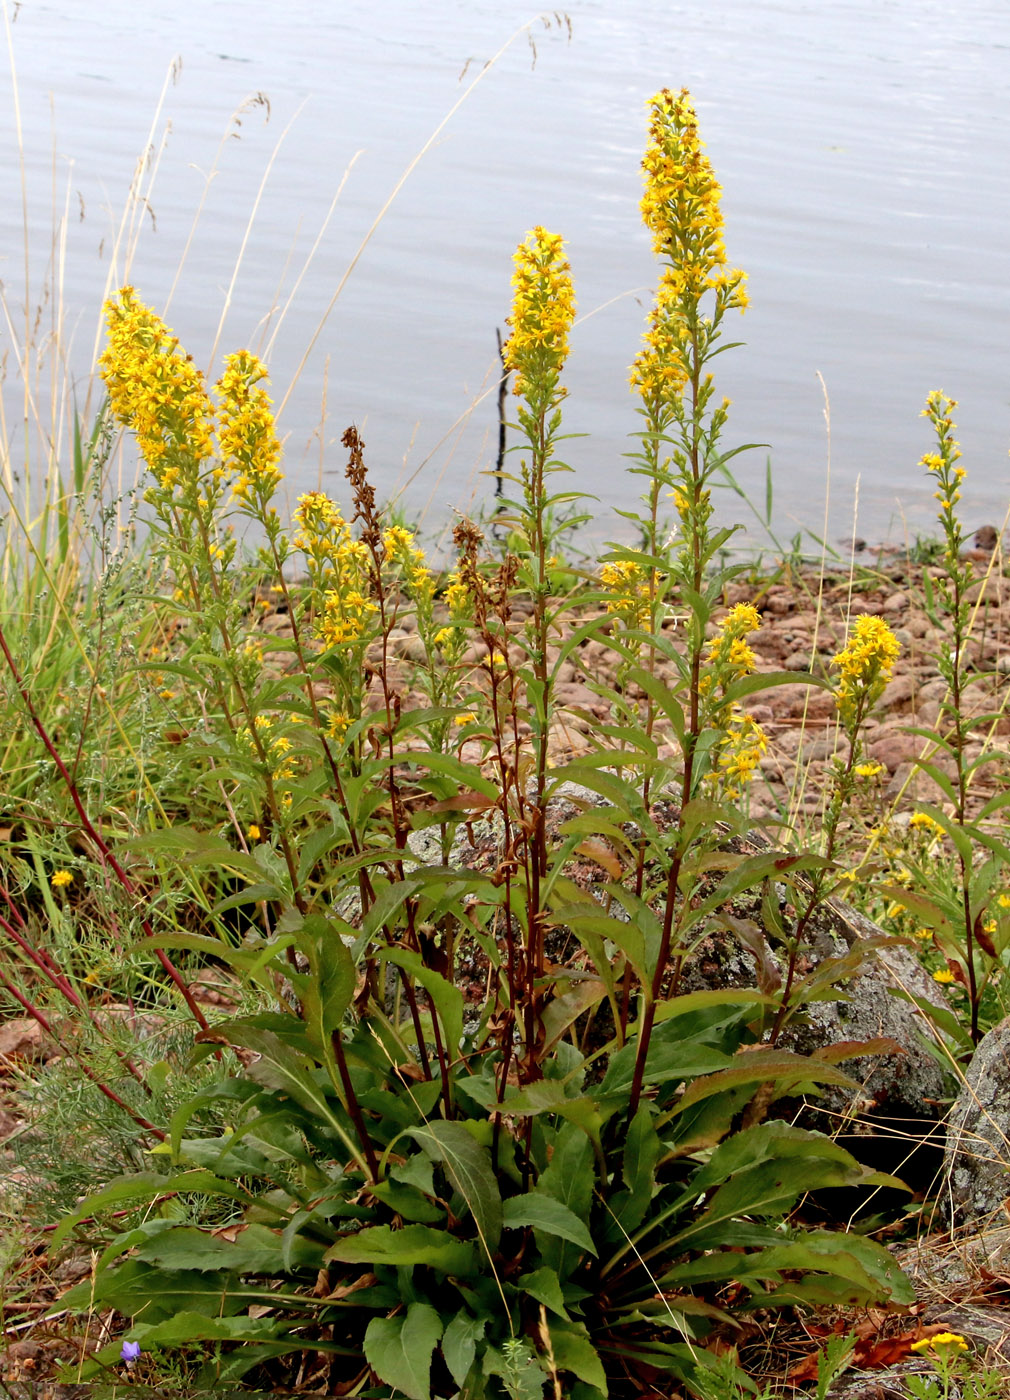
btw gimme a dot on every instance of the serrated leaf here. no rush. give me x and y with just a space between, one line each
544 1213
545 1287
326 990
468 1166
459 1344
399 1349
569 1179
642 1150
255 1250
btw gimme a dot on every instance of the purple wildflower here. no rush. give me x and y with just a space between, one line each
130 1352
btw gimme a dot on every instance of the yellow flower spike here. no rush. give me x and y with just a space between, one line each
543 309
246 436
727 649
155 389
629 582
865 665
681 204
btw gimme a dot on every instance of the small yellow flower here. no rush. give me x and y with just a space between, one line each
925 934
922 821
869 770
465 719
253 832
944 976
1003 901
942 1340
60 879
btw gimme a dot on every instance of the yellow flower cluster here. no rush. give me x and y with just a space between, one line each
398 548
338 725
728 652
740 752
339 567
246 435
543 308
922 821
660 370
345 616
156 389
954 1340
273 750
865 664
681 204
939 410
459 601
628 582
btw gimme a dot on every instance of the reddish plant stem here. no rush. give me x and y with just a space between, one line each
96 836
58 980
37 1015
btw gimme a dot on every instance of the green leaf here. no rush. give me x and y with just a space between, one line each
545 1286
642 1150
136 1287
147 1187
407 1202
412 1246
255 1250
279 1066
766 680
666 1064
468 1166
399 1349
568 1179
325 991
780 1067
549 1215
447 999
459 1344
575 1353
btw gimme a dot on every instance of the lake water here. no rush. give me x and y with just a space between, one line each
863 150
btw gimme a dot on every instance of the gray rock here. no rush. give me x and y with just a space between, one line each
976 1183
903 1085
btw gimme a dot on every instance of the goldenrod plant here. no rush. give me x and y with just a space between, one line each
469 1125
548 1184
952 867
